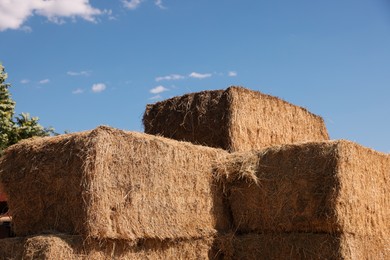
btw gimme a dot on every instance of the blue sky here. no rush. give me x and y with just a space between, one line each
79 64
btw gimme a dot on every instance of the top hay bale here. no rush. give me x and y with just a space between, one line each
108 183
235 119
322 187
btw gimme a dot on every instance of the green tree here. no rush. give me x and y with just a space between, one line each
14 129
7 107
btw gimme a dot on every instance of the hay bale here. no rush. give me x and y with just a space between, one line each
332 187
249 246
11 248
235 119
200 248
109 183
307 246
61 246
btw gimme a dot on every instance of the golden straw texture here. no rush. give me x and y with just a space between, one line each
334 186
235 119
109 183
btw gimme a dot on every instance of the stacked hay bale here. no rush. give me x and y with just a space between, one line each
130 195
303 196
321 200
235 119
283 192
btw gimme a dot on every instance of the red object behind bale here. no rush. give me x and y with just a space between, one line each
3 195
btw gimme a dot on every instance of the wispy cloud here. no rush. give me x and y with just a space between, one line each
158 90
79 73
25 81
131 4
78 91
156 97
170 77
26 29
44 81
197 75
98 87
159 4
13 14
110 15
134 4
232 74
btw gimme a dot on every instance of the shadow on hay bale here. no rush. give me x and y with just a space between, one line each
303 246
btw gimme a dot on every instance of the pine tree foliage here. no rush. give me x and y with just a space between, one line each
14 129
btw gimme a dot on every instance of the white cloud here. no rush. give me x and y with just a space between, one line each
132 4
14 13
232 74
159 4
156 97
197 75
170 77
25 81
78 91
158 90
44 81
98 87
79 73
